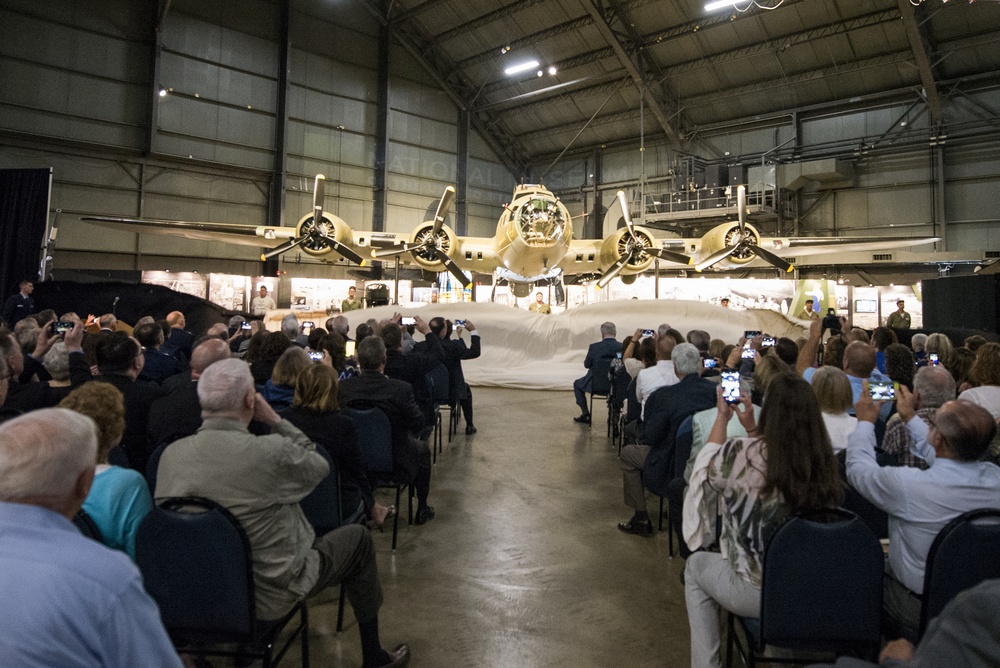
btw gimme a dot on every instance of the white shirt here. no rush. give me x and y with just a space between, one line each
651 379
987 396
261 305
919 503
839 427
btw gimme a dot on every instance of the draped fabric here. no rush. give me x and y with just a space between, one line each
24 204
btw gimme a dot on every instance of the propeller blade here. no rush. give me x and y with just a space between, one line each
625 213
613 271
392 252
443 207
716 257
287 246
773 259
345 251
670 256
319 189
453 267
741 204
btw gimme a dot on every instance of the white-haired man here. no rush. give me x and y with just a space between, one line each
68 600
261 480
606 349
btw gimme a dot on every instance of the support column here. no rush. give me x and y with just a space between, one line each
940 214
381 129
596 232
158 17
276 191
462 175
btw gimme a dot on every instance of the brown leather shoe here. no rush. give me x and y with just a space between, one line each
400 657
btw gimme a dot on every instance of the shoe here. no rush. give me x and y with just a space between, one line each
424 515
637 527
469 430
400 657
582 419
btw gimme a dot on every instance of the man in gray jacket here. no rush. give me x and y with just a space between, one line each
261 479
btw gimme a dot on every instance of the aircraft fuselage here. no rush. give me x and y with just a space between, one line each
534 233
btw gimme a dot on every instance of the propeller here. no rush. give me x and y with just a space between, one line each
428 242
746 242
316 231
635 248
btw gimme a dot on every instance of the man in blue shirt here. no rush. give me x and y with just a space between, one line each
920 503
68 600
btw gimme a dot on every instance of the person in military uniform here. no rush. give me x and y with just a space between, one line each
539 306
808 313
350 304
899 320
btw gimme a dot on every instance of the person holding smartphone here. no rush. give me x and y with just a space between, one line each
783 466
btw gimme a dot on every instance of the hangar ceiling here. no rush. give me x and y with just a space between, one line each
683 70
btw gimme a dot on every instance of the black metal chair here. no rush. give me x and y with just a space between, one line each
964 553
440 385
375 437
632 414
87 526
600 384
821 590
196 563
620 380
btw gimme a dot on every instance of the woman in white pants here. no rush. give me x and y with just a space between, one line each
759 481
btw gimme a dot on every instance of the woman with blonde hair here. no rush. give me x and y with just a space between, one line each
315 410
280 388
986 376
835 398
119 499
940 344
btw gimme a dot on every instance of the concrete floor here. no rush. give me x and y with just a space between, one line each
523 565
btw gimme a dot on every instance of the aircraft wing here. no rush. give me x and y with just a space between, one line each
245 235
810 246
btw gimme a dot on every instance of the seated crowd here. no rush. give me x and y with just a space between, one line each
107 418
800 429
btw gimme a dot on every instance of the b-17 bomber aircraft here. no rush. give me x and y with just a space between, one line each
533 241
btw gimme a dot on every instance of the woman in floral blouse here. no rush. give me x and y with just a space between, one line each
756 482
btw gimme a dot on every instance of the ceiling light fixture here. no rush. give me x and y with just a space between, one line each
521 67
746 4
552 70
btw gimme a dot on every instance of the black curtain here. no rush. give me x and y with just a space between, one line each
24 207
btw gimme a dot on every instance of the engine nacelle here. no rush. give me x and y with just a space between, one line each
446 240
619 244
726 235
331 226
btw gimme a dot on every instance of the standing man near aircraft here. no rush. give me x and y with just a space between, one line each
262 304
351 304
540 306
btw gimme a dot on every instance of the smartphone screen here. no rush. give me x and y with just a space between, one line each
709 363
406 321
882 390
751 333
315 357
933 357
349 348
747 353
731 387
768 341
647 333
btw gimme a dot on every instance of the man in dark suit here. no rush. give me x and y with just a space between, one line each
178 412
666 408
180 341
395 398
120 360
157 366
455 351
607 348
19 306
414 367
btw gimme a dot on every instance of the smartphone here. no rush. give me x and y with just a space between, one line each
459 323
307 327
349 348
62 327
731 387
619 355
245 327
406 321
883 390
708 362
315 357
768 341
933 357
647 333
751 333
747 353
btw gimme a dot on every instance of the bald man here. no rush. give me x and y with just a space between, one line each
68 600
178 413
180 341
920 503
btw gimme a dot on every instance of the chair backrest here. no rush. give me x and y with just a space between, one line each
964 553
620 380
197 565
876 518
822 583
683 442
634 408
153 465
440 381
322 506
374 437
87 526
599 383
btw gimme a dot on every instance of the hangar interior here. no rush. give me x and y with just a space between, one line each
844 117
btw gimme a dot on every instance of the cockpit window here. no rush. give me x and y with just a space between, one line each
541 221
